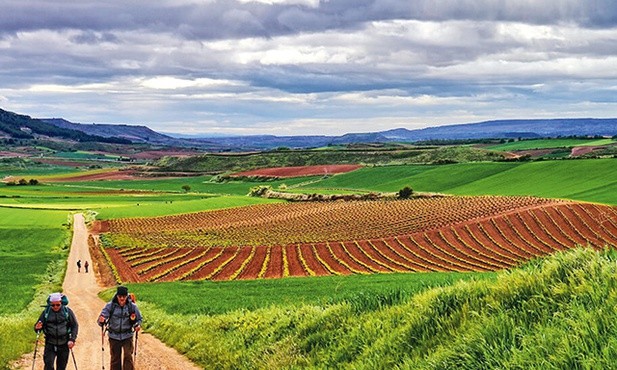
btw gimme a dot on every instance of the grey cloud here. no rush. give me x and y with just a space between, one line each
227 18
90 37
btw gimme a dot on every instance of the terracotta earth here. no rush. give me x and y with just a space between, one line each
82 290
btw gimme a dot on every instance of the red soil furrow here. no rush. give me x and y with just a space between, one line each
131 251
341 254
164 264
522 249
180 266
449 237
145 261
307 251
543 224
484 252
603 218
215 274
234 265
379 251
437 239
192 261
209 268
127 274
478 230
419 243
557 226
323 252
510 233
607 217
522 229
295 266
275 265
591 227
358 250
140 258
576 225
408 247
601 221
212 254
539 232
252 269
392 250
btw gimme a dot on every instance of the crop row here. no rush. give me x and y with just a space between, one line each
310 222
483 244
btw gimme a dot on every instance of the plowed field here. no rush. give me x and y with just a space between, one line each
308 239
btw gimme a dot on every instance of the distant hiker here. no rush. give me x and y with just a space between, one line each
86 266
59 324
121 318
78 265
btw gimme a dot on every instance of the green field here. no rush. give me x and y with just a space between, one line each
549 144
219 297
375 321
33 251
593 180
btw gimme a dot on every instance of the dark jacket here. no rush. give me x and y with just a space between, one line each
119 321
58 328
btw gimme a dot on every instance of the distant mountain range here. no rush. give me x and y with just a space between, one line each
13 125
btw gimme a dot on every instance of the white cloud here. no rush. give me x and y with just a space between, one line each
321 66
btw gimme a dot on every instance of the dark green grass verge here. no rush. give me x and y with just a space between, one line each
217 297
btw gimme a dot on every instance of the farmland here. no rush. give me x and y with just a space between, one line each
291 279
33 249
307 239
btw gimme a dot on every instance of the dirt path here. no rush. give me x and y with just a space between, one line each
82 290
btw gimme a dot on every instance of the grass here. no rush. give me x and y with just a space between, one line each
114 203
29 242
549 144
208 297
592 180
33 252
197 184
554 313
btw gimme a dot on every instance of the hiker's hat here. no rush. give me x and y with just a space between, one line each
55 297
122 290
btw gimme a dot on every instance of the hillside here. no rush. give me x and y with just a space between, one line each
222 162
130 132
497 129
19 126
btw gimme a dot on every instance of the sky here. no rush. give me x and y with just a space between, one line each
307 67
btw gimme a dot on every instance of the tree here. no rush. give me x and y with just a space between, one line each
186 188
405 193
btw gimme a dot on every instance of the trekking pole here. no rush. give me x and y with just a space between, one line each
102 348
36 345
135 352
74 362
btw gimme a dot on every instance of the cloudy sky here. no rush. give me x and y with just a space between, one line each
297 67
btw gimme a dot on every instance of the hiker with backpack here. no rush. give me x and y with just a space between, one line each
122 318
59 324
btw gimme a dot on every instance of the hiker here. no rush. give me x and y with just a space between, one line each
86 266
122 318
78 265
59 324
